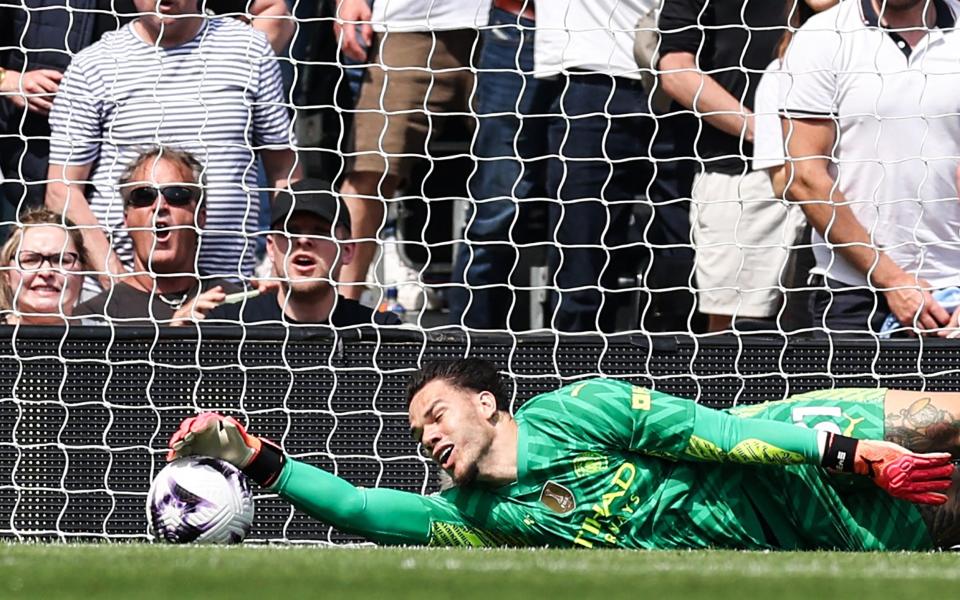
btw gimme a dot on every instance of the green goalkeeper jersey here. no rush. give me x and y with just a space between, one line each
602 463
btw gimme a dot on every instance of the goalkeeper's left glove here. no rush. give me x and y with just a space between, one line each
211 434
920 478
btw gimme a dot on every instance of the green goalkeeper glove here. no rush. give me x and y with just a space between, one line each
211 434
921 478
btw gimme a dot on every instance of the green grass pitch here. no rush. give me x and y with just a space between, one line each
254 572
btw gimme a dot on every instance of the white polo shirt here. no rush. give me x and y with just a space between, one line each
899 133
429 15
768 151
594 35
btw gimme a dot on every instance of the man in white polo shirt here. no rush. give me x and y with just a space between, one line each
872 125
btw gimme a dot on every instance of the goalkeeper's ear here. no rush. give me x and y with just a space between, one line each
486 403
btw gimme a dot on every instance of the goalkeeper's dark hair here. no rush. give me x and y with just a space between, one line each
466 373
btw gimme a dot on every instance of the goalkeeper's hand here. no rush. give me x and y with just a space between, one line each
211 434
921 478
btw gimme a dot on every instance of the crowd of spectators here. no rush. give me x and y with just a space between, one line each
685 165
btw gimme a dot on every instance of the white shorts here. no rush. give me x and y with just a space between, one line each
743 238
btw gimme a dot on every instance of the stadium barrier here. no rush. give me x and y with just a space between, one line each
86 413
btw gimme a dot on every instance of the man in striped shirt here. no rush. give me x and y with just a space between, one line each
175 77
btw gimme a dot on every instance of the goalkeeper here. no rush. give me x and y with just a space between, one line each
602 463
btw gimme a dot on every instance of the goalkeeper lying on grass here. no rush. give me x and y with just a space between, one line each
602 463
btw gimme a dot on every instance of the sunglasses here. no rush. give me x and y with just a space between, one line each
34 260
175 195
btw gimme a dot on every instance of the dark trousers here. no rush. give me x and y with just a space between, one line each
838 307
511 168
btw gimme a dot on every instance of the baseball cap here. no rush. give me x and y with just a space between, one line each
313 196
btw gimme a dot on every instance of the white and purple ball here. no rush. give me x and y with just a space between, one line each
200 500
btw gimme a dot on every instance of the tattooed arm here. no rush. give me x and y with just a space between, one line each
923 421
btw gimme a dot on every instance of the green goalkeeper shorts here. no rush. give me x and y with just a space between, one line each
854 412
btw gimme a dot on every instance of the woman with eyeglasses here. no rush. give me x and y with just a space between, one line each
41 264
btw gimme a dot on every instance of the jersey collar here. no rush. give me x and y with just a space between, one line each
945 20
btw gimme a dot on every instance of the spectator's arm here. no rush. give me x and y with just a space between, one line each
273 18
778 179
65 195
683 82
681 25
272 131
353 16
809 146
281 168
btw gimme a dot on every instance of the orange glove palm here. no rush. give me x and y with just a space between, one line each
921 478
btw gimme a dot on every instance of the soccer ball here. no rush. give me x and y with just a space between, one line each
200 500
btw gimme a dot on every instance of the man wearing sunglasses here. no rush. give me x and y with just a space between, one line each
308 245
163 213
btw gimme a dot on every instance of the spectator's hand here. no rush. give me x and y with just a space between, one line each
952 329
196 308
353 16
33 90
913 305
266 286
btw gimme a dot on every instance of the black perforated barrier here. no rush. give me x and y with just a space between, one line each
85 414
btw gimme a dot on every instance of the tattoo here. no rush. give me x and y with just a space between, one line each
923 427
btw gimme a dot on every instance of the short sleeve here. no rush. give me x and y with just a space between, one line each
810 89
616 414
680 26
271 115
768 149
76 120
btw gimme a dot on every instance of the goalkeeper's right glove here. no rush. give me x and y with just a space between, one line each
211 434
920 478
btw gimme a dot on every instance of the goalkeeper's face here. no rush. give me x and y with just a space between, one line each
455 427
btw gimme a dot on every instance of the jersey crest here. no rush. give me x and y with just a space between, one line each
557 498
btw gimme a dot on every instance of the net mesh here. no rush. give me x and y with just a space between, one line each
517 190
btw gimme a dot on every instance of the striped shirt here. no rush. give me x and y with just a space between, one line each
218 96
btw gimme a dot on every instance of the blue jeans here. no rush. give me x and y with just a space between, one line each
511 167
605 165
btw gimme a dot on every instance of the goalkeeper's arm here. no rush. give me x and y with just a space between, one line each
381 515
717 435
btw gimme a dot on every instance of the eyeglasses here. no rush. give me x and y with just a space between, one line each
28 259
175 195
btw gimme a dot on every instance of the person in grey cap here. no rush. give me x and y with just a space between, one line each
308 244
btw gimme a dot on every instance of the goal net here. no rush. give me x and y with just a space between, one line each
570 189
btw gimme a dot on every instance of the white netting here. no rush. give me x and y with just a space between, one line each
504 173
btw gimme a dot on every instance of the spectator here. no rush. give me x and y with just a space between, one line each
174 77
513 110
711 53
873 134
601 167
768 143
307 252
42 263
163 192
769 156
420 75
38 39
